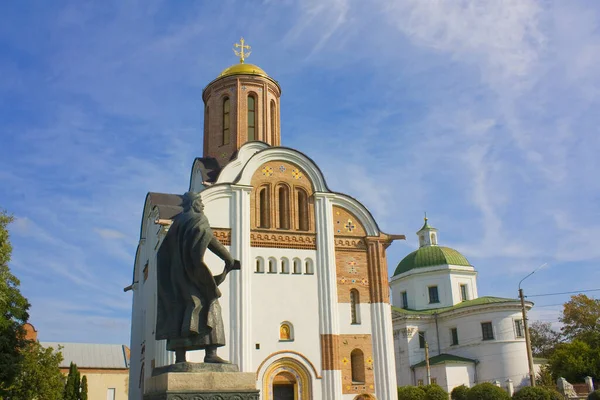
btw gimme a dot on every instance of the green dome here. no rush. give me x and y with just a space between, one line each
430 256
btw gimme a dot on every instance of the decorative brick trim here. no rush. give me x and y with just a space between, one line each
379 284
283 240
223 235
254 395
349 243
330 359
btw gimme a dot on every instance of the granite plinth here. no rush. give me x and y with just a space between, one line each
201 381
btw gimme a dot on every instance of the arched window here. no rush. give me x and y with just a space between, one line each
285 266
357 359
302 199
309 266
272 266
264 220
297 266
286 331
355 306
283 195
251 117
260 265
206 119
226 120
273 127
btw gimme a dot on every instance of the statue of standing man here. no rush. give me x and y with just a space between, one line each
188 310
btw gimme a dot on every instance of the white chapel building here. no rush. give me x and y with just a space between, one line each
309 312
471 339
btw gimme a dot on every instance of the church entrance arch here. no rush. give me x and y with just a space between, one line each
286 379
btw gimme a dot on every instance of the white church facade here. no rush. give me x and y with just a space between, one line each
309 312
470 339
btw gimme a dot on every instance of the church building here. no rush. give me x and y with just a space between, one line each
309 312
470 339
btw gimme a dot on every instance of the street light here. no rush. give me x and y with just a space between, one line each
526 327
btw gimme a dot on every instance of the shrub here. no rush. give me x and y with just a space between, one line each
435 392
532 393
554 394
411 393
487 391
595 395
459 393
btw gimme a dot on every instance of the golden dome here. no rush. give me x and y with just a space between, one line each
243 69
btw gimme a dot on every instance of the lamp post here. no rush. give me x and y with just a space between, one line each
526 327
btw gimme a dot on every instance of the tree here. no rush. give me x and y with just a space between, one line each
574 361
71 391
581 319
40 376
13 314
543 338
84 390
459 393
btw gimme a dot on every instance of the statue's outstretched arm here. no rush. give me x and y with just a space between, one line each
216 247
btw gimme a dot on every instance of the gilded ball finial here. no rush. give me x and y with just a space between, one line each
425 216
241 54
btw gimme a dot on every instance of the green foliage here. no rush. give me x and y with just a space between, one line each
411 393
554 394
434 392
40 376
574 361
581 319
71 391
543 339
595 395
84 389
544 377
487 391
532 393
13 315
459 393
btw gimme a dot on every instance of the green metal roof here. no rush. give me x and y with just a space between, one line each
469 303
445 359
430 256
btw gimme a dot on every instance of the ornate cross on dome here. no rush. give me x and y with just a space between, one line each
241 53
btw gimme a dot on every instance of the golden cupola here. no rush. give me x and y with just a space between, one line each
241 105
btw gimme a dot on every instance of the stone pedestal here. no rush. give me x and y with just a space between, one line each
192 381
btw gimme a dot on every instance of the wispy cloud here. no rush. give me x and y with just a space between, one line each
482 114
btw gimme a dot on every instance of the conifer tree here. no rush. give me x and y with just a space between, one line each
84 390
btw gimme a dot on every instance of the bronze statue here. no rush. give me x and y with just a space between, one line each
188 310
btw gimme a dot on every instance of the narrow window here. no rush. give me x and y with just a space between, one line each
264 209
284 207
433 294
260 265
433 239
309 267
463 293
302 210
226 120
354 306
421 340
519 332
357 359
454 336
273 127
297 266
110 393
420 382
272 266
285 266
145 272
206 120
434 381
251 117
486 331
404 300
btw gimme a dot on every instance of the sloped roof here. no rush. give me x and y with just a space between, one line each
469 303
445 359
91 355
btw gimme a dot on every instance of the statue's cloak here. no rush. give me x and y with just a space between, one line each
188 310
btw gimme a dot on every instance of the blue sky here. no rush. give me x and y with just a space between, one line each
484 114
